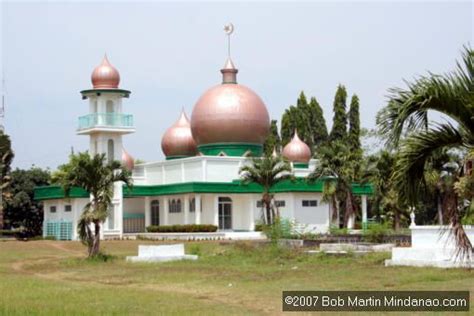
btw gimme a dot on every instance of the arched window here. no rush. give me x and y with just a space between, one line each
110 150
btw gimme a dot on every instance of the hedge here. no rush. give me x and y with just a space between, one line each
193 228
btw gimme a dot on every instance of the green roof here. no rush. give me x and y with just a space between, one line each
234 187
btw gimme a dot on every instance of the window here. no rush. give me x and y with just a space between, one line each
52 209
155 212
225 212
192 205
310 203
175 206
278 203
110 150
67 208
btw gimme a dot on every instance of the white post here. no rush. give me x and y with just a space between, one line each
251 213
364 212
216 211
197 212
147 211
165 210
350 222
186 209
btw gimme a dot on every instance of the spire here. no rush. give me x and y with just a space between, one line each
229 72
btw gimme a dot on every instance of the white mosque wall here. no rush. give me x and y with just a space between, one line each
197 169
61 215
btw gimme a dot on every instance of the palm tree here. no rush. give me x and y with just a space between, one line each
406 115
97 177
267 171
337 168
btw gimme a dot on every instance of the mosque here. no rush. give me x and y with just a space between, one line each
199 182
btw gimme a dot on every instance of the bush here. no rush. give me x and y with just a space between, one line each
281 228
193 228
334 230
376 232
260 227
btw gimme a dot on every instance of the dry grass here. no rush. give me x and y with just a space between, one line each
50 278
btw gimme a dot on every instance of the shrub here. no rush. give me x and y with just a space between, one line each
334 230
281 228
376 232
260 227
193 228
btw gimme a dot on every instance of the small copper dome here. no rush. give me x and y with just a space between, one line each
127 160
105 76
296 150
230 113
178 140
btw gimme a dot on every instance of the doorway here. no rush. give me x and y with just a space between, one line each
225 213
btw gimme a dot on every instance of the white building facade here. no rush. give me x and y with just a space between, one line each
199 182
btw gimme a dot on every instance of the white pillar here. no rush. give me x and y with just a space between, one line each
350 221
165 210
251 216
364 211
186 209
197 212
216 211
147 211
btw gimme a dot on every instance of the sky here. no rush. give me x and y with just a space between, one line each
168 54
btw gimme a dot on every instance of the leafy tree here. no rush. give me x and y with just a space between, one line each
273 141
336 170
406 115
308 119
97 177
267 171
6 158
354 125
385 200
21 210
339 125
318 123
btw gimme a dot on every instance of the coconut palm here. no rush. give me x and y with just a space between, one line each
337 169
267 171
405 123
97 177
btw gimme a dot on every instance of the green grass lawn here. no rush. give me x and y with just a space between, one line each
52 277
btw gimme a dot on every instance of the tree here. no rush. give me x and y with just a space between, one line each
404 121
385 200
266 171
273 141
6 158
308 119
97 177
21 210
336 170
318 123
354 125
339 125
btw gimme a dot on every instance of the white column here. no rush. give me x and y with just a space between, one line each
165 211
186 209
216 211
364 211
147 211
350 222
251 215
197 212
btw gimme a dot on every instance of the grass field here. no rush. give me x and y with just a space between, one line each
52 277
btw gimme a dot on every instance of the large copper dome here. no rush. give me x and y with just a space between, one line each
230 113
296 150
178 141
105 76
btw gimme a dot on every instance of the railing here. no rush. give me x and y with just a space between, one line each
105 120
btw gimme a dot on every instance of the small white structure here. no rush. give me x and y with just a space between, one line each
431 246
161 253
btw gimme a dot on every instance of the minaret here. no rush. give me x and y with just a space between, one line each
106 123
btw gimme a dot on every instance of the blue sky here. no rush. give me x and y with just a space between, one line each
168 54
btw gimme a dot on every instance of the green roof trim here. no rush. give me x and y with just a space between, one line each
52 192
231 149
234 187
